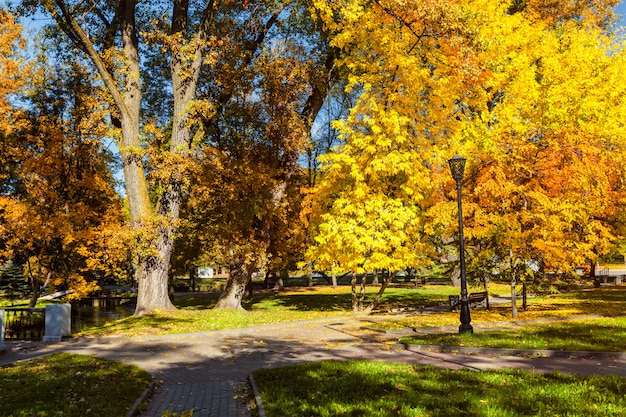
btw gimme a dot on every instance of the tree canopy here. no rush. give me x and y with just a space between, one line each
531 93
212 106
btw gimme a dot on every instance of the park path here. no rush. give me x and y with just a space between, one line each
209 371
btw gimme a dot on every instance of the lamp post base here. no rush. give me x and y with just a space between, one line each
466 328
466 318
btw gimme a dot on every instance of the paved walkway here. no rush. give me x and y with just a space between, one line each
208 372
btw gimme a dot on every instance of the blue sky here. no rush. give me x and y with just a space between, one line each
621 9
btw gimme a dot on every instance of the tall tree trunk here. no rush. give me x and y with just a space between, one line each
289 160
334 275
126 94
235 288
362 291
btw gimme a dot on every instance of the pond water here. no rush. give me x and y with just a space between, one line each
84 317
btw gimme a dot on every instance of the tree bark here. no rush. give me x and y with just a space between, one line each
235 288
126 94
376 302
37 287
362 291
355 303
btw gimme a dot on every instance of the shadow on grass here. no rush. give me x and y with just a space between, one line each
374 389
598 335
310 299
616 293
69 385
301 301
196 301
158 323
232 355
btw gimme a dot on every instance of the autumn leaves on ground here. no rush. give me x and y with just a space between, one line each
75 385
423 307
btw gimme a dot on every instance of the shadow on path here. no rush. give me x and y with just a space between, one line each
208 371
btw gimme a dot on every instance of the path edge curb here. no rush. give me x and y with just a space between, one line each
257 396
133 410
509 352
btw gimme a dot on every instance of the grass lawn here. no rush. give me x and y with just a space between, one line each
602 301
605 335
70 386
375 389
195 313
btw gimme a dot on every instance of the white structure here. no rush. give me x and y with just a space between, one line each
205 272
58 322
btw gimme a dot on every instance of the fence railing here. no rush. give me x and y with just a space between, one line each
24 323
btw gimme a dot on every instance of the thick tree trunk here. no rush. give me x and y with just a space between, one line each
235 289
152 291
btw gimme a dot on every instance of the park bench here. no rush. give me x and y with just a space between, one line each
475 299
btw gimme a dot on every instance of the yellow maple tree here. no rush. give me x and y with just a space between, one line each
533 99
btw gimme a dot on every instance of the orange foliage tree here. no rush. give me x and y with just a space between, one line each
530 92
59 208
200 63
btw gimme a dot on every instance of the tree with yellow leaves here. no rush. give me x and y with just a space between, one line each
533 99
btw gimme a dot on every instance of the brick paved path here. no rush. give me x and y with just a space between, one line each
208 371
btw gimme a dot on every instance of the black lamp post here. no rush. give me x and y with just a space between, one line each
457 166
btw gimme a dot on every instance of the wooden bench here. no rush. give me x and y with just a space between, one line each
475 299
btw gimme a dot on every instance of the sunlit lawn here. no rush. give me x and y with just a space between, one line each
70 386
605 334
195 313
375 389
604 301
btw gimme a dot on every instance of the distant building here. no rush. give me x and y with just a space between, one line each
205 272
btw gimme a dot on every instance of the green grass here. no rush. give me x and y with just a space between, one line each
374 389
195 311
70 386
606 335
603 301
21 303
